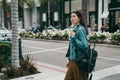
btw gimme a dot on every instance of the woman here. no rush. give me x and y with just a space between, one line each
78 39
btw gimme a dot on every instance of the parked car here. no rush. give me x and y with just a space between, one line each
50 28
69 29
34 29
5 34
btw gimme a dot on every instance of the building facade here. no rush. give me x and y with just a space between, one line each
99 12
114 15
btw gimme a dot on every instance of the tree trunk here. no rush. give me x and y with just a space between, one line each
14 20
48 12
5 13
84 9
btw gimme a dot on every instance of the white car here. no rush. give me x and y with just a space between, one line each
5 34
50 28
69 29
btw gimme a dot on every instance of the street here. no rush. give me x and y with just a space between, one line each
53 52
48 52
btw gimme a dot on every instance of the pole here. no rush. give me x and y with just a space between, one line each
84 9
99 15
62 14
48 12
5 13
69 11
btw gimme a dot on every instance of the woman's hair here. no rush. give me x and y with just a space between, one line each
82 22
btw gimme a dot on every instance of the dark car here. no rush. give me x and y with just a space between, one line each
34 29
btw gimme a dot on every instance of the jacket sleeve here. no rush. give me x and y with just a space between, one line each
80 39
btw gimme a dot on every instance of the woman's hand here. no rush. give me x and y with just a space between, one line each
67 65
72 34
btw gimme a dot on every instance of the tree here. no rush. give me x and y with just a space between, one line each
30 3
84 9
6 8
14 23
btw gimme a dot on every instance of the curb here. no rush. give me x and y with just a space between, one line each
60 41
45 40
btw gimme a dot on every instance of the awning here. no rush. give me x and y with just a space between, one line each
111 9
105 14
114 6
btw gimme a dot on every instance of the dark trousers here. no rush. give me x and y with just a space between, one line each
74 73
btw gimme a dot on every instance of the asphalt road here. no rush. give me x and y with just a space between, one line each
50 57
53 52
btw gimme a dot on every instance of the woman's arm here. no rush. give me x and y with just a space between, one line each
80 39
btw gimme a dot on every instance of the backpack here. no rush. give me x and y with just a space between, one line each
87 59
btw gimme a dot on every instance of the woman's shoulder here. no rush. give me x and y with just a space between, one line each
80 27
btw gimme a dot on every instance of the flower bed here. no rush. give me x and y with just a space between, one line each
106 37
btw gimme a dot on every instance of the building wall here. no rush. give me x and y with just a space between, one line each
75 5
31 18
27 18
91 6
114 16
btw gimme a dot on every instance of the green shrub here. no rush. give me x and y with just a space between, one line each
22 34
26 68
57 37
5 53
93 37
115 38
102 37
65 36
48 36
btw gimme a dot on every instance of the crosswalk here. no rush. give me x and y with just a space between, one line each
57 73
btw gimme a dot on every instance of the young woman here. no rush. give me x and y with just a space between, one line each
78 38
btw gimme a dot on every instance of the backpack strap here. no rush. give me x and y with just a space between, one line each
94 45
90 76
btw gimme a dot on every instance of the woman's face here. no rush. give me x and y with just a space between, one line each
74 19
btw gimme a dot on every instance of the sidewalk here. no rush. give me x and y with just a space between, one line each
52 72
48 72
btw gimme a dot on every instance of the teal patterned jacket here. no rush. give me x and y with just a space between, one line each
79 41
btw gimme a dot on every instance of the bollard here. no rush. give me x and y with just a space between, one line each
20 50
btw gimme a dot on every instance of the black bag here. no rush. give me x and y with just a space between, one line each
87 59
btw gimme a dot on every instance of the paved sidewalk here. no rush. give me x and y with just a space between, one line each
52 72
48 72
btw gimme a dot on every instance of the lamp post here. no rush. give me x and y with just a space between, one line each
69 11
48 12
62 14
